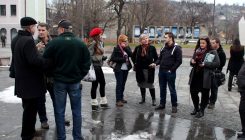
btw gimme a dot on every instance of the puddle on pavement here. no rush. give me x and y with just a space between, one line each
120 125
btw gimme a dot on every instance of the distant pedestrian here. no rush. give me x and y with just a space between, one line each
169 60
144 55
3 40
96 49
241 89
71 63
121 55
236 60
27 68
204 61
215 43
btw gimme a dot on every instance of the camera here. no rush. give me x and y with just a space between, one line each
104 58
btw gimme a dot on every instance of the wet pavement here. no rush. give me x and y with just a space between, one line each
134 121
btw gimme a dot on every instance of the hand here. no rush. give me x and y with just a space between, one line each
201 65
152 65
193 61
40 45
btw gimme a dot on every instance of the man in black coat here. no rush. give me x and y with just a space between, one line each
241 89
222 57
27 68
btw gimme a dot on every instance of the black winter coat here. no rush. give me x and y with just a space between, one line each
118 58
236 60
222 58
141 63
170 58
28 67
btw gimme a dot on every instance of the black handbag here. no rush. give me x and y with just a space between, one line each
220 77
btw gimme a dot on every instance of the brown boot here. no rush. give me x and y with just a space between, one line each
119 104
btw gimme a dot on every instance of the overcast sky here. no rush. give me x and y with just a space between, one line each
229 2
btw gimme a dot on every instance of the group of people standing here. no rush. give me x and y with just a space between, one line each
58 65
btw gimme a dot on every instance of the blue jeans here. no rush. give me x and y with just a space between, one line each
60 93
164 79
121 78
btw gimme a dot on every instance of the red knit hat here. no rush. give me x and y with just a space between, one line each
95 32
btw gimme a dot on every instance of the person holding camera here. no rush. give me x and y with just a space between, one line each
96 49
204 61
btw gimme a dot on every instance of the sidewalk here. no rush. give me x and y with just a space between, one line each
133 121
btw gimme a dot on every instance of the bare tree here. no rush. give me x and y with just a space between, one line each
118 6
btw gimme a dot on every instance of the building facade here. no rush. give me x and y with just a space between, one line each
11 11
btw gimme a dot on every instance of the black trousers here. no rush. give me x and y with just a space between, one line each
204 98
231 75
42 109
29 118
242 110
100 79
214 91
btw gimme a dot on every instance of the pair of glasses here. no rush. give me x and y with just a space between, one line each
204 38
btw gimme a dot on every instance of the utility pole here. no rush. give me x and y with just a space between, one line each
213 29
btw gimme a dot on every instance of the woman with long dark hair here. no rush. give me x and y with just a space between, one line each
96 50
236 60
144 55
204 61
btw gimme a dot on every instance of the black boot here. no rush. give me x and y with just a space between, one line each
142 90
153 96
195 111
200 114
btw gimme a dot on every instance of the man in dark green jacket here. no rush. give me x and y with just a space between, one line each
71 63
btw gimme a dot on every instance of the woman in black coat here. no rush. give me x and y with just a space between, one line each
204 61
144 55
120 56
236 61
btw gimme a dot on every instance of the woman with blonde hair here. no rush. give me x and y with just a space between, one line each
143 56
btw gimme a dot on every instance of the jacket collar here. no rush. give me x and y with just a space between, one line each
24 33
67 34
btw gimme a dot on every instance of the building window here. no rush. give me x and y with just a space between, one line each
13 10
2 10
13 32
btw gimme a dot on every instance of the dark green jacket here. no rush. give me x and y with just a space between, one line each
70 56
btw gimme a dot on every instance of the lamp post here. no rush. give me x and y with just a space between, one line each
213 30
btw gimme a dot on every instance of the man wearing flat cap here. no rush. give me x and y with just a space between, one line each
71 63
27 68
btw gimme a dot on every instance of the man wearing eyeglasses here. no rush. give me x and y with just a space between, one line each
71 63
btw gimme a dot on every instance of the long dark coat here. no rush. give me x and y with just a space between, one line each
28 67
236 60
209 68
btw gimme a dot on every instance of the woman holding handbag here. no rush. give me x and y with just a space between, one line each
120 56
204 61
144 55
96 50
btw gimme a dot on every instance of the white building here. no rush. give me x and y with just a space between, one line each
11 11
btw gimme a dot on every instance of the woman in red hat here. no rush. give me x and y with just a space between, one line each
96 50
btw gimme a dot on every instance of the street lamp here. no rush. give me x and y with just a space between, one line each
213 34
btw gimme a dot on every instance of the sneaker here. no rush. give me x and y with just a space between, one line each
160 107
174 109
44 125
211 106
119 104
